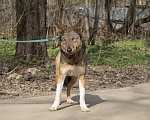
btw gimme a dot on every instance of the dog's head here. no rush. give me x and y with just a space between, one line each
70 39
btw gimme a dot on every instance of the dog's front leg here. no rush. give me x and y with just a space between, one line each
56 103
82 94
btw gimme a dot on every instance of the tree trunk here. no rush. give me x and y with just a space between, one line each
108 24
60 4
91 40
87 18
0 5
133 23
31 15
129 20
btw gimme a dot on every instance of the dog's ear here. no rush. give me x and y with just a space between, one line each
59 30
78 27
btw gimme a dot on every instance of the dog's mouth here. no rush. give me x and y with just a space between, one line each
71 53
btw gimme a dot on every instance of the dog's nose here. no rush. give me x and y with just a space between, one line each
69 50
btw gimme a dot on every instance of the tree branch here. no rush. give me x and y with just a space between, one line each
141 21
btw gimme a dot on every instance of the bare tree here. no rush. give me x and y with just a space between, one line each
108 24
87 18
95 27
130 18
31 18
60 4
0 5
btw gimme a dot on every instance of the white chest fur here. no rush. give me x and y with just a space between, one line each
72 71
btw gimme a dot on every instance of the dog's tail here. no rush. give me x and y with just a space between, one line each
67 81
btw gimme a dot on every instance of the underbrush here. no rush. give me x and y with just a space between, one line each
7 50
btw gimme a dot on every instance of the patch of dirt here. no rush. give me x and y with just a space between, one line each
43 82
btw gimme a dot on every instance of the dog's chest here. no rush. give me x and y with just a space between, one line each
72 71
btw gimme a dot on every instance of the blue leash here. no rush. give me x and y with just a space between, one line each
42 40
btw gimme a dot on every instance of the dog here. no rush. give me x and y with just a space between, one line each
71 64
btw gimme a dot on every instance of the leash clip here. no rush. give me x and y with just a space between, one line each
53 39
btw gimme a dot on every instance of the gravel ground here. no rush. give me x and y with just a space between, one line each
42 83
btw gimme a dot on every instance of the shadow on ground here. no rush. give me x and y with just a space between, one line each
91 100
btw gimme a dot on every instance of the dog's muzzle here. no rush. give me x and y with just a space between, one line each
69 50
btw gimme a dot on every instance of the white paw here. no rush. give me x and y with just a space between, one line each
70 102
53 108
85 109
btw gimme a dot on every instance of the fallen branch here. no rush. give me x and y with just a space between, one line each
13 69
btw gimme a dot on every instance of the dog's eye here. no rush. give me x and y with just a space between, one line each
74 40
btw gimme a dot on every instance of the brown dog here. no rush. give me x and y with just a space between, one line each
70 64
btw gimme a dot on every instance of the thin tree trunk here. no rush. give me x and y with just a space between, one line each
133 23
87 18
0 5
60 11
129 20
95 27
109 28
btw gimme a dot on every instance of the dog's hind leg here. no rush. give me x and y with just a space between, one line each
71 83
56 103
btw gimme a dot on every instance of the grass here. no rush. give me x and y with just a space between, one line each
52 52
9 51
118 54
1 84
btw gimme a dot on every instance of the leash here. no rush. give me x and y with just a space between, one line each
42 40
